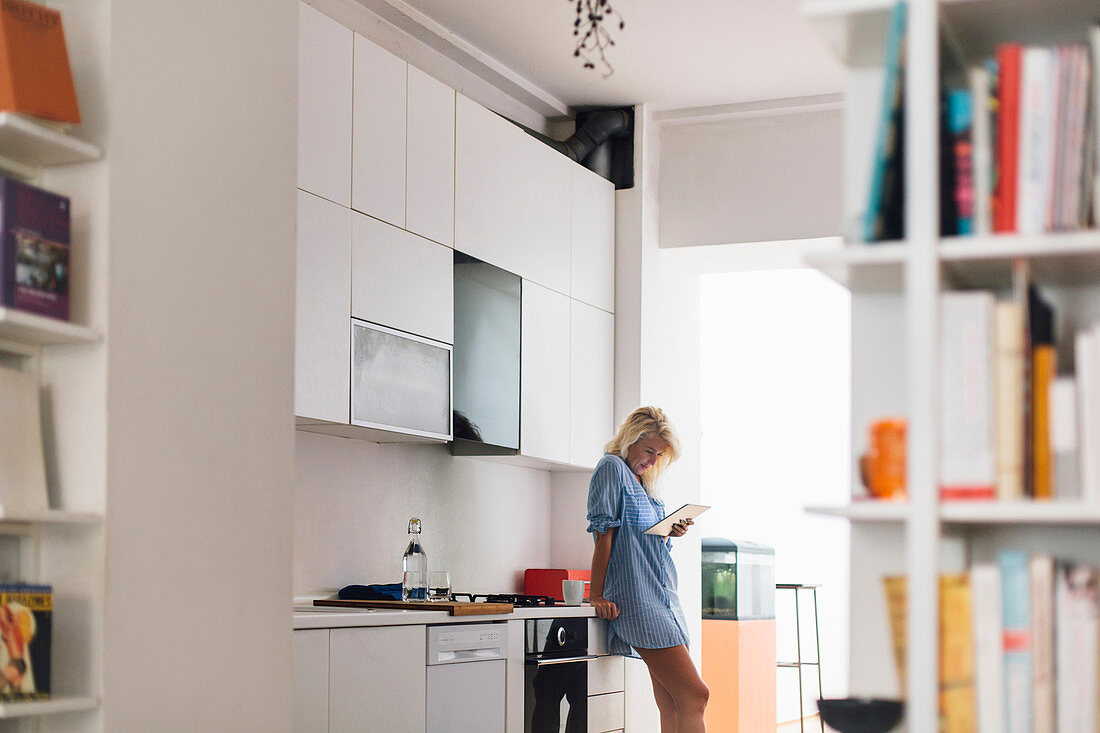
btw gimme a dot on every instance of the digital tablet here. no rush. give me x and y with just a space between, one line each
688 511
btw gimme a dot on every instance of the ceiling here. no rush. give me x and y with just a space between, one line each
671 55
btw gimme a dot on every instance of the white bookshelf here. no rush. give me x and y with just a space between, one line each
895 308
55 705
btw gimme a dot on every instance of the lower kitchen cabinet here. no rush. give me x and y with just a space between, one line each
311 681
377 679
606 712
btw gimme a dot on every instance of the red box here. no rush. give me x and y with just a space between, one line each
547 581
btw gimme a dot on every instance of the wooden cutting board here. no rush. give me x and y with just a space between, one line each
456 608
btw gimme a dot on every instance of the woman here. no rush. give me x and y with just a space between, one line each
633 578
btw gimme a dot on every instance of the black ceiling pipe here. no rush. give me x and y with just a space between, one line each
595 131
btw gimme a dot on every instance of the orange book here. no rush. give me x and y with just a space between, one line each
1043 368
35 77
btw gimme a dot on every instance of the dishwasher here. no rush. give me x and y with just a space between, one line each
466 680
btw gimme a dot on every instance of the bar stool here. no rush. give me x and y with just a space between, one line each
799 664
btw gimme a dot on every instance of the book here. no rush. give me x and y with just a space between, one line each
1044 366
1016 639
22 459
882 216
985 585
1010 400
956 647
982 104
1040 332
34 249
1076 640
968 468
1086 354
1063 438
1035 140
1094 136
960 121
1041 570
35 76
26 623
1008 118
957 712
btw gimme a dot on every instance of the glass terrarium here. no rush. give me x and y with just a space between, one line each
738 580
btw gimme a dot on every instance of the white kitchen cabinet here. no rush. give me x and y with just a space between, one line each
324 106
401 280
322 352
430 158
512 198
606 712
311 650
544 373
592 254
592 382
377 679
607 674
378 152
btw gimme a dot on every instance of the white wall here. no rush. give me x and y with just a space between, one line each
200 340
756 179
484 521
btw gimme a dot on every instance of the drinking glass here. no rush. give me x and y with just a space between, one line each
439 585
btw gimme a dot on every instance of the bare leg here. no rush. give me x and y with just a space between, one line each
666 705
673 669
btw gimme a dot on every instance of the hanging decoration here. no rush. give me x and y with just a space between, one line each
590 32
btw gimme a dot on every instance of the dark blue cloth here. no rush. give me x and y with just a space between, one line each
376 592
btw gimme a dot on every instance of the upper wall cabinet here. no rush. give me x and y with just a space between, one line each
544 374
592 382
430 158
512 198
379 120
322 353
593 241
324 106
401 280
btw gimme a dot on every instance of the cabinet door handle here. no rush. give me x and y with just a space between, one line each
563 660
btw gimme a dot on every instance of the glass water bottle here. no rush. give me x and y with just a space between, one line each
414 582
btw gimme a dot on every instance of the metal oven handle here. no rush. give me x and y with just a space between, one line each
562 660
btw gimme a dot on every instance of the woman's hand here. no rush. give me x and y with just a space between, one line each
604 608
680 528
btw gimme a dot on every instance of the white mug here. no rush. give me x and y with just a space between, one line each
573 592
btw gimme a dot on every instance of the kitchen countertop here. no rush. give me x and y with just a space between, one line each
307 616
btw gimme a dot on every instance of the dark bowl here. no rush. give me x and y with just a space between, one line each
861 714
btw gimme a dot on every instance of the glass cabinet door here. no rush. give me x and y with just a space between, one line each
400 382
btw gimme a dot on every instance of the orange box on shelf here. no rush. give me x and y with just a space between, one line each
35 76
547 581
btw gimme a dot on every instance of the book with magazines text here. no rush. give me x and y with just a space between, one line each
26 621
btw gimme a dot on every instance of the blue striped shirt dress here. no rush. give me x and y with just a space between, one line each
640 578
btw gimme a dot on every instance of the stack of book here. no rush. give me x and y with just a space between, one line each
1019 644
1019 142
1012 426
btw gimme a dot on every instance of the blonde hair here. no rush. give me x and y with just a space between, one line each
643 423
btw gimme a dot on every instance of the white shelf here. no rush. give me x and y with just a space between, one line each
866 511
863 267
28 328
1071 258
32 145
50 516
56 704
1020 512
972 512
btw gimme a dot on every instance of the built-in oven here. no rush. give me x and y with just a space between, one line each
556 669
